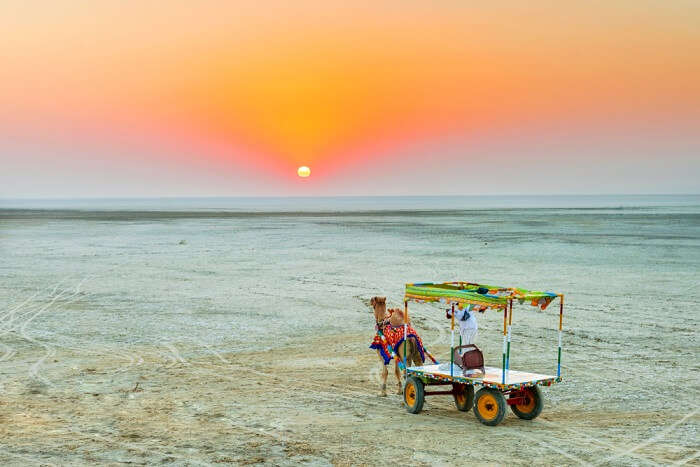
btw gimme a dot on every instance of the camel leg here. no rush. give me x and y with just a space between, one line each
399 388
414 353
385 374
397 372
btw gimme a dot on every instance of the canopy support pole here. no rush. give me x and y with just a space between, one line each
505 328
561 317
405 336
460 331
510 322
452 343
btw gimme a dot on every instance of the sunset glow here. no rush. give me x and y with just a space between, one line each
208 92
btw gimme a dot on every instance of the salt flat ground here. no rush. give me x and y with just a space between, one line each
200 337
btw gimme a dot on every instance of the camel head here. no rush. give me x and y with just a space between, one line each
379 305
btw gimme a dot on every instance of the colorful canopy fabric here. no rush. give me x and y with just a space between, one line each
470 293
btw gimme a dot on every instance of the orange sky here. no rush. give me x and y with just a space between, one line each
263 88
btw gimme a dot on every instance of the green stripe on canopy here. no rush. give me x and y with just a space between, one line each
470 293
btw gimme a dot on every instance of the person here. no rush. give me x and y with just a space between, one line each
468 326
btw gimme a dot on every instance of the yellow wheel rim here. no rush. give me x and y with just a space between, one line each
530 405
410 395
461 398
487 406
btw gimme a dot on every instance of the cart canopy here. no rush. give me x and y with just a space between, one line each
462 294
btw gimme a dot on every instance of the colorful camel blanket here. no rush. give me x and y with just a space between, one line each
394 337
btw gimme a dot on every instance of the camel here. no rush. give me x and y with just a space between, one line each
391 322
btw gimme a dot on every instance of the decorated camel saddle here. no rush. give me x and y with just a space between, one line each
393 330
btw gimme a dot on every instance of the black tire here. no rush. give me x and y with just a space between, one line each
533 407
490 406
464 396
413 394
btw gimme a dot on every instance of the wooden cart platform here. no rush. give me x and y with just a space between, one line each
492 379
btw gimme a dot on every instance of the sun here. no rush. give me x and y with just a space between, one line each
303 171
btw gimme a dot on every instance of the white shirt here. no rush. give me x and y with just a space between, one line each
468 324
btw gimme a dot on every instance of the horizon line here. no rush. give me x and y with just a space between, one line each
173 197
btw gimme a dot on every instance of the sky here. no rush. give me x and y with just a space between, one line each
228 98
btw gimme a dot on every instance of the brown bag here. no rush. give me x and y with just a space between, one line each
471 360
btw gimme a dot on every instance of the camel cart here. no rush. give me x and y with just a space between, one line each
499 387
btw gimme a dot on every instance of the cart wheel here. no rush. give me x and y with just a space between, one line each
464 396
490 406
413 394
533 406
